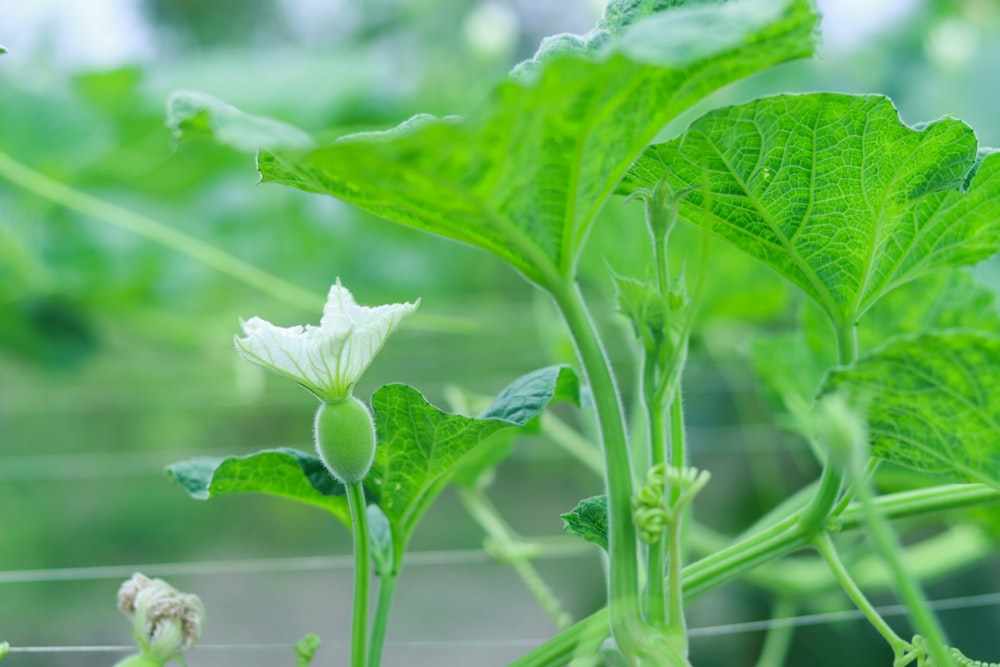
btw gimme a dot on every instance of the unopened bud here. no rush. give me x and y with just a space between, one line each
167 622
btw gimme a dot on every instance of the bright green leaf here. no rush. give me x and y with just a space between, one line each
525 174
589 520
524 398
834 192
933 403
196 115
282 472
421 447
641 304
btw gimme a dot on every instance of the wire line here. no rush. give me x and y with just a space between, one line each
944 604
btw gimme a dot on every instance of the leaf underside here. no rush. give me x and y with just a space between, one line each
524 175
834 192
283 472
932 402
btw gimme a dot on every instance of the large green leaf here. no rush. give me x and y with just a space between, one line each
933 403
834 192
525 173
283 472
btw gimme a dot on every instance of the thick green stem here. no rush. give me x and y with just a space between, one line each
362 574
829 553
626 617
383 604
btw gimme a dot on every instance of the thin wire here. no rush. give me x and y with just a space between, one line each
945 604
555 547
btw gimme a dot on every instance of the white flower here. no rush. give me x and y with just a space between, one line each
329 359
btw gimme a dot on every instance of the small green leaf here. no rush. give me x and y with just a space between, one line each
933 403
525 398
380 536
834 192
418 446
196 115
305 650
421 447
640 302
589 520
283 472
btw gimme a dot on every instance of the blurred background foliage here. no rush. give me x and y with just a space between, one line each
116 356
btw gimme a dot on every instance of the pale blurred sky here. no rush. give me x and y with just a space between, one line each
102 33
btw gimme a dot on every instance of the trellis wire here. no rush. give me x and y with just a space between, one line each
944 604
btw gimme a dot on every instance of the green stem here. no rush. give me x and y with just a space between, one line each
513 551
656 557
625 614
907 587
383 604
829 553
778 639
362 574
771 543
41 185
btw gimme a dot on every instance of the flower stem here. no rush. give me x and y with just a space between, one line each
656 556
362 574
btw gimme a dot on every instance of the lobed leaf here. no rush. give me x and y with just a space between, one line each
589 520
283 472
933 403
526 173
834 192
421 447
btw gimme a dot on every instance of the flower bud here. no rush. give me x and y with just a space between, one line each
167 622
345 439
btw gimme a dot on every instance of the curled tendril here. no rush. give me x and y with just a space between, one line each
649 505
650 510
920 653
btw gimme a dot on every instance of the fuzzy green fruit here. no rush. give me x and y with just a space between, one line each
345 439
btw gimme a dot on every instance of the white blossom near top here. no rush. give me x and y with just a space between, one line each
329 359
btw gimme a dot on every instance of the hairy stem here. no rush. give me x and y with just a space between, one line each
656 556
362 574
625 614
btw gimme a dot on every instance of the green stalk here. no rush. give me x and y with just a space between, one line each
383 604
778 639
907 587
829 553
362 574
138 224
626 617
656 557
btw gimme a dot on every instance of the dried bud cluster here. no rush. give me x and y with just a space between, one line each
167 622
